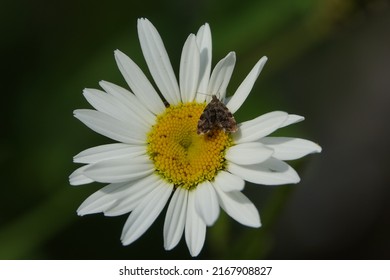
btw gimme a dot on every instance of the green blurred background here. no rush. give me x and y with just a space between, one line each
328 61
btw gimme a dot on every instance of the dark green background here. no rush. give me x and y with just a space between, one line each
328 61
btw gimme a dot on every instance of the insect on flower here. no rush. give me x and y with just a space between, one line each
216 116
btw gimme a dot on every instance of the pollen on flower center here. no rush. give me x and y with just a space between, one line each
180 155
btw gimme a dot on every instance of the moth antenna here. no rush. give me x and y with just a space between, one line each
218 95
203 93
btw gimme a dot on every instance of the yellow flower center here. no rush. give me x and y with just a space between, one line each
180 155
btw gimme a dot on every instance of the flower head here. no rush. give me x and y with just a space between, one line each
160 155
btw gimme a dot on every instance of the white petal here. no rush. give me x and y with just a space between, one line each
133 196
175 218
195 229
221 75
290 148
291 119
239 207
206 203
270 172
139 84
246 86
203 39
103 198
103 124
259 127
158 61
78 177
248 153
228 182
138 110
108 104
102 102
120 169
145 213
108 151
189 69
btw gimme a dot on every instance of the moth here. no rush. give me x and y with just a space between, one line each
216 116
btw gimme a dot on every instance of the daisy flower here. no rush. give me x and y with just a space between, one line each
160 158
